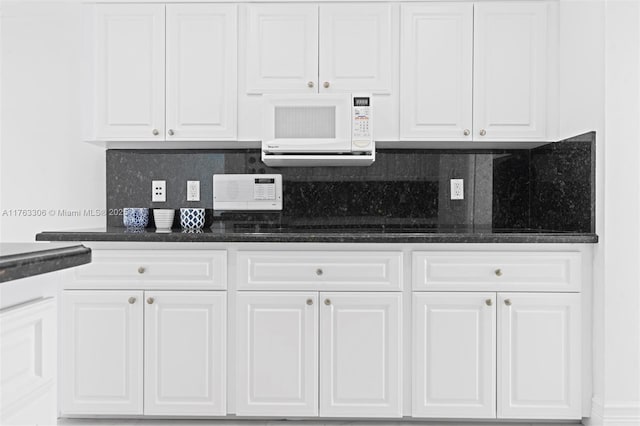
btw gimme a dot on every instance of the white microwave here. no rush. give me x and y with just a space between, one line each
318 129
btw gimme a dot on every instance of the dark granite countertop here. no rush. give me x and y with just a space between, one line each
21 260
249 232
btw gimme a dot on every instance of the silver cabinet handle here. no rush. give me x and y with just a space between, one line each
488 302
310 84
483 132
326 84
507 302
141 270
319 271
170 132
155 132
327 302
150 300
132 300
498 272
309 302
466 132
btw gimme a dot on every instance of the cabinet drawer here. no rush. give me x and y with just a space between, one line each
313 270
497 271
153 269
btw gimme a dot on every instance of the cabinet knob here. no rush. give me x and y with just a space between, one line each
310 84
309 302
319 271
483 132
498 272
132 300
150 300
170 132
327 302
488 302
507 302
466 132
141 270
326 84
155 132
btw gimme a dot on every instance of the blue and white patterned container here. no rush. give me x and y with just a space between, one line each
135 217
191 218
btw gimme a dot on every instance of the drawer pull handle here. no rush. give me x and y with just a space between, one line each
132 300
141 270
327 302
150 300
326 85
309 302
507 302
319 272
488 302
498 272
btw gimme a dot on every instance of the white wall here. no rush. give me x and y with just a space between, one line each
44 165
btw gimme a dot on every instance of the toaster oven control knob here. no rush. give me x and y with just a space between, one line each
171 133
466 132
483 132
155 132
310 84
326 84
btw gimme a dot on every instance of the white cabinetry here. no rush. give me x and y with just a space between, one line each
133 45
509 44
539 362
360 355
277 354
454 355
175 358
326 48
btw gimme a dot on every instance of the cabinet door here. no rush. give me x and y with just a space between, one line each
454 353
281 48
361 355
102 352
185 353
129 71
437 71
510 71
539 356
357 47
201 71
277 354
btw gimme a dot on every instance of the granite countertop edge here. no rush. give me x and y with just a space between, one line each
306 237
42 260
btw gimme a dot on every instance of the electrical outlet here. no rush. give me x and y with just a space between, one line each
193 190
159 191
457 189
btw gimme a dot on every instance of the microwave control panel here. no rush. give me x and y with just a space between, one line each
361 126
247 192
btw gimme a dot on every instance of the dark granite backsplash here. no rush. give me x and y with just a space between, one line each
549 187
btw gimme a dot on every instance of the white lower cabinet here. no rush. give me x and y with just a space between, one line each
120 350
359 367
531 341
539 362
454 350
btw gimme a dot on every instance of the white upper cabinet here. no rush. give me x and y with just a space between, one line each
437 71
102 352
277 354
454 349
185 353
201 71
281 48
129 71
510 71
134 44
539 368
361 355
357 47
